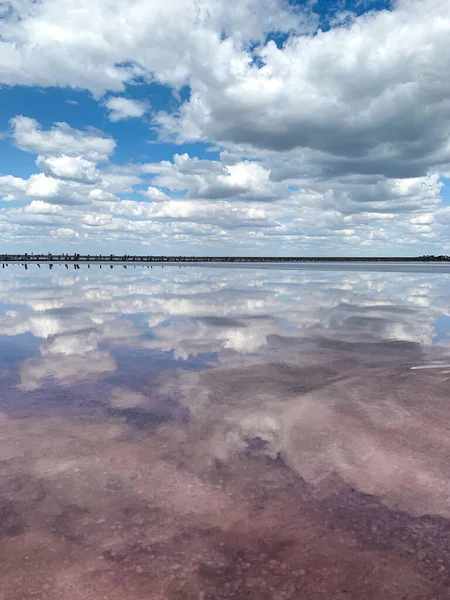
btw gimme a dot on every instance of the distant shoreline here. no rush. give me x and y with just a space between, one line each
147 259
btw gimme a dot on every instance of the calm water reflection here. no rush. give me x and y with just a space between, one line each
224 433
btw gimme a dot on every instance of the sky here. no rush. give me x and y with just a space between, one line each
239 127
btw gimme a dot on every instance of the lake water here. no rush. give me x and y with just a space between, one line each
214 432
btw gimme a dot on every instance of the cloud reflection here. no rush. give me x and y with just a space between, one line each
317 367
218 311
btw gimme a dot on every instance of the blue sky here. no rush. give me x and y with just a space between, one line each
266 127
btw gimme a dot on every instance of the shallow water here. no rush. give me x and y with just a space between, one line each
224 433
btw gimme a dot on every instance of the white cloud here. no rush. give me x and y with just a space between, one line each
356 99
332 141
44 187
64 232
61 139
375 111
102 196
41 186
71 168
101 45
68 158
10 186
215 213
119 180
43 208
155 195
195 211
125 108
244 180
54 190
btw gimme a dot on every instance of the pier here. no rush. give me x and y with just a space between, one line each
134 259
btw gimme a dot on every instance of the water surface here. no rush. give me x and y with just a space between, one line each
216 432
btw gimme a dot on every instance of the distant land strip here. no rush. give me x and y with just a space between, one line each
146 259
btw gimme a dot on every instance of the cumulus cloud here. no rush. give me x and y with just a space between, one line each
10 185
61 139
104 46
125 108
195 211
43 187
68 158
71 168
378 214
328 141
101 195
43 208
155 195
56 191
64 232
358 99
245 180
